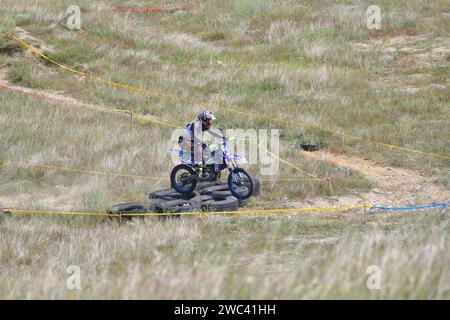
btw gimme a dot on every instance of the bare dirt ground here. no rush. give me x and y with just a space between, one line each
396 186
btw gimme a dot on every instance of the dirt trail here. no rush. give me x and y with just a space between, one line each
396 186
57 96
44 94
49 95
52 95
388 178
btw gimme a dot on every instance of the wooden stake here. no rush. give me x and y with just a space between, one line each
330 186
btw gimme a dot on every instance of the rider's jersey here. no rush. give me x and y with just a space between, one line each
191 142
191 133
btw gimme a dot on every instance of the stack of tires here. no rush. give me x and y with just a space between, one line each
208 197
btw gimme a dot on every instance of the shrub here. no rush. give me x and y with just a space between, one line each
9 47
20 73
215 35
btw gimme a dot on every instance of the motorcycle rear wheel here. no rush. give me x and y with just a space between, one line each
183 179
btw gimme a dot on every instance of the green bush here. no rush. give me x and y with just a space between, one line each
20 73
9 46
215 35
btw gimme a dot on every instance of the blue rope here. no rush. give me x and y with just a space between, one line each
425 206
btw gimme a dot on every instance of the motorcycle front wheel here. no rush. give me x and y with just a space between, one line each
240 183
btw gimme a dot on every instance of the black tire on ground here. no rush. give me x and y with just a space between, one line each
206 184
179 196
174 183
4 211
203 185
241 195
162 204
195 199
155 204
179 206
161 193
229 204
129 208
171 194
209 190
206 198
221 195
168 198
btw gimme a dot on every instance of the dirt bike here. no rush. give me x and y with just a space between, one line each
184 177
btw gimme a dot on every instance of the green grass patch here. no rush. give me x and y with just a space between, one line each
268 85
9 46
214 35
249 7
20 73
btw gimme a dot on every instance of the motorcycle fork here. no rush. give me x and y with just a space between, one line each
231 168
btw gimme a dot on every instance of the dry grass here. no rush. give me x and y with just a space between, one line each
302 61
216 257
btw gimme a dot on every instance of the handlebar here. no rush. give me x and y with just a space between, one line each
215 145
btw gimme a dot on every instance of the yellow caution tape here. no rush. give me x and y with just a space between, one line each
255 211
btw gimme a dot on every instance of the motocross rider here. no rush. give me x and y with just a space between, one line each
191 141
